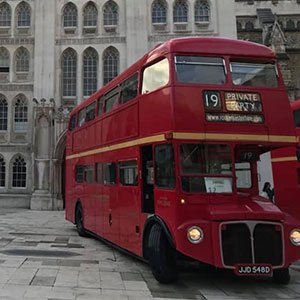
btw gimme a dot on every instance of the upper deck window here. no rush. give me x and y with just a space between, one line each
297 118
254 74
81 117
155 76
72 123
90 112
129 88
111 98
200 69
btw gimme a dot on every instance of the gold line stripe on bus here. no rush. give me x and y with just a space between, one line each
281 159
191 136
234 137
151 139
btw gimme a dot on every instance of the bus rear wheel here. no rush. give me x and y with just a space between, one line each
161 256
281 276
79 221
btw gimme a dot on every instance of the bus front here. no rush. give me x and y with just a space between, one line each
230 106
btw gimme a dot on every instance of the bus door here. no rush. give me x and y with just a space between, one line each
110 203
129 205
164 170
147 180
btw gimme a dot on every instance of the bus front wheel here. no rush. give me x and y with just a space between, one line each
79 221
281 276
161 256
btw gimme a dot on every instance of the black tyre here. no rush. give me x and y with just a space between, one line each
281 276
79 221
161 256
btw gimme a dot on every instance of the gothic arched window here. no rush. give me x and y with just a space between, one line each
23 15
22 60
90 71
290 24
110 13
110 64
249 26
4 60
90 15
159 12
69 73
2 172
19 172
5 15
180 12
202 11
21 114
70 15
3 113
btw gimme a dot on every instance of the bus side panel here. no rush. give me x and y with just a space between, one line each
286 180
153 120
121 125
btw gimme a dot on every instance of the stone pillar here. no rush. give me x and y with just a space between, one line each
42 198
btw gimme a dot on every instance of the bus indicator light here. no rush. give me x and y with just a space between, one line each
182 201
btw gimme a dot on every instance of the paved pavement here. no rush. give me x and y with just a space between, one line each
43 258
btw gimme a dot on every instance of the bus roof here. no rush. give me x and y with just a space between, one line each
193 45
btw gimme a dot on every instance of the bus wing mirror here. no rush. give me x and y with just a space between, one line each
298 155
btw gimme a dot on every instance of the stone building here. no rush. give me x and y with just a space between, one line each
54 54
276 24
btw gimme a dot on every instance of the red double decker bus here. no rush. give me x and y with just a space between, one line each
286 172
162 160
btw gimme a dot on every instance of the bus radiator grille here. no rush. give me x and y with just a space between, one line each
238 240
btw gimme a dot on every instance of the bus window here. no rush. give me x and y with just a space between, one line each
297 118
81 117
156 76
129 89
198 164
100 105
254 74
72 124
89 174
164 166
128 172
110 173
111 98
243 175
99 173
200 70
79 174
90 112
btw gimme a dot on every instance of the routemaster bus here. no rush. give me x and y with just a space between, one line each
161 161
286 172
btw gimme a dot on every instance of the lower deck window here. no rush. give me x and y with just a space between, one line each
110 173
128 173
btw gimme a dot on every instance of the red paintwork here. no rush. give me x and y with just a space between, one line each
286 178
178 108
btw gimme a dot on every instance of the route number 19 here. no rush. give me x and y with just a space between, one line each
212 100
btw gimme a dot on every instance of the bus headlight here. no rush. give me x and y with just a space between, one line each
195 234
295 237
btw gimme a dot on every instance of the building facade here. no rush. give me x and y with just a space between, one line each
54 54
276 24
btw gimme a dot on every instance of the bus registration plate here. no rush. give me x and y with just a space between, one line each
253 270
